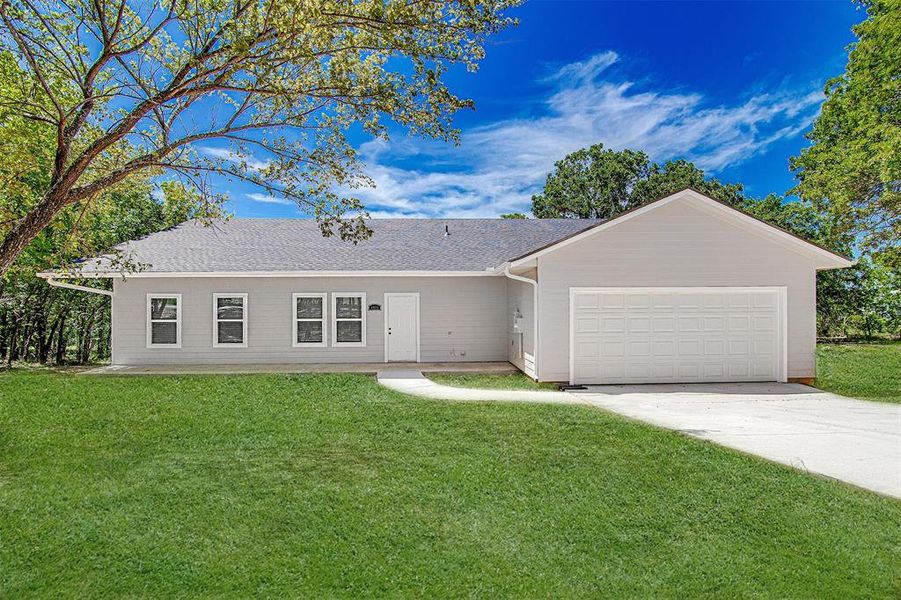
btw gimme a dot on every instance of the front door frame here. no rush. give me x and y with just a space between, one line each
415 295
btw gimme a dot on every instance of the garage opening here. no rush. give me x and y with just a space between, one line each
677 335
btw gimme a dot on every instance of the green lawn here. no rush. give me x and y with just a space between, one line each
328 485
868 371
494 381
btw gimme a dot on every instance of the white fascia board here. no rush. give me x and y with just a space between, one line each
235 274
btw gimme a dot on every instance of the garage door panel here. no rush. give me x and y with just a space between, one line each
714 347
589 349
689 323
638 300
638 324
639 348
587 325
664 347
676 335
663 324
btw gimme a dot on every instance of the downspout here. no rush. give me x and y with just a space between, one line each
71 286
534 285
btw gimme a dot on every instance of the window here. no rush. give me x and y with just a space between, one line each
309 320
164 320
348 319
229 320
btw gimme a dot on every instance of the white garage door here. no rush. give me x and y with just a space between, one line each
676 335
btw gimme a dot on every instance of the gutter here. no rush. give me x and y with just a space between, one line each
534 285
71 286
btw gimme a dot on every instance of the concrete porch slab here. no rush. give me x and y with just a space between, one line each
220 369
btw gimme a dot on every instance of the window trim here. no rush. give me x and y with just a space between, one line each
362 319
323 319
217 320
178 310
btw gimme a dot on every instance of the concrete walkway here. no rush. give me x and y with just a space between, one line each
413 382
855 441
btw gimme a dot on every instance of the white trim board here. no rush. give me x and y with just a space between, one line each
781 299
233 274
418 322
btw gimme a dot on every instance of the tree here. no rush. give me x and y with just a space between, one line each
677 175
852 169
513 216
123 86
594 183
591 183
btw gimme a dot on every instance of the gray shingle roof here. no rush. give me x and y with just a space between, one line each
242 245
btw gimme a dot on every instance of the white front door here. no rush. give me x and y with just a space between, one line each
401 327
676 335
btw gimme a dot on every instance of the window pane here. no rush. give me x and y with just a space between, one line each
230 308
309 332
163 332
231 332
348 308
349 331
163 308
309 308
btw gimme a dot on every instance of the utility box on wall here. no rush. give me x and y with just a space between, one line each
517 321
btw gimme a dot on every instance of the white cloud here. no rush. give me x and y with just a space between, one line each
257 197
230 155
499 166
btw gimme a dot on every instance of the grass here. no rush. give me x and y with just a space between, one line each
329 485
493 381
867 371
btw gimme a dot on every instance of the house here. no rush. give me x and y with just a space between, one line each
684 289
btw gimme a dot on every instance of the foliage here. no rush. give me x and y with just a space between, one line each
591 183
45 324
677 175
867 371
121 87
332 486
598 183
852 170
863 299
513 216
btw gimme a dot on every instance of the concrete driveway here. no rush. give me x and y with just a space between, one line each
852 440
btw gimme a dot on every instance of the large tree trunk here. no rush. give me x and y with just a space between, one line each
25 230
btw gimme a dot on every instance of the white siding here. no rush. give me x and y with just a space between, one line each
679 244
462 319
520 297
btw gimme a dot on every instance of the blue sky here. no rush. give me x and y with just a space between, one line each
731 86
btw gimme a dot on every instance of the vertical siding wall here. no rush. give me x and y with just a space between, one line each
520 297
461 319
678 244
